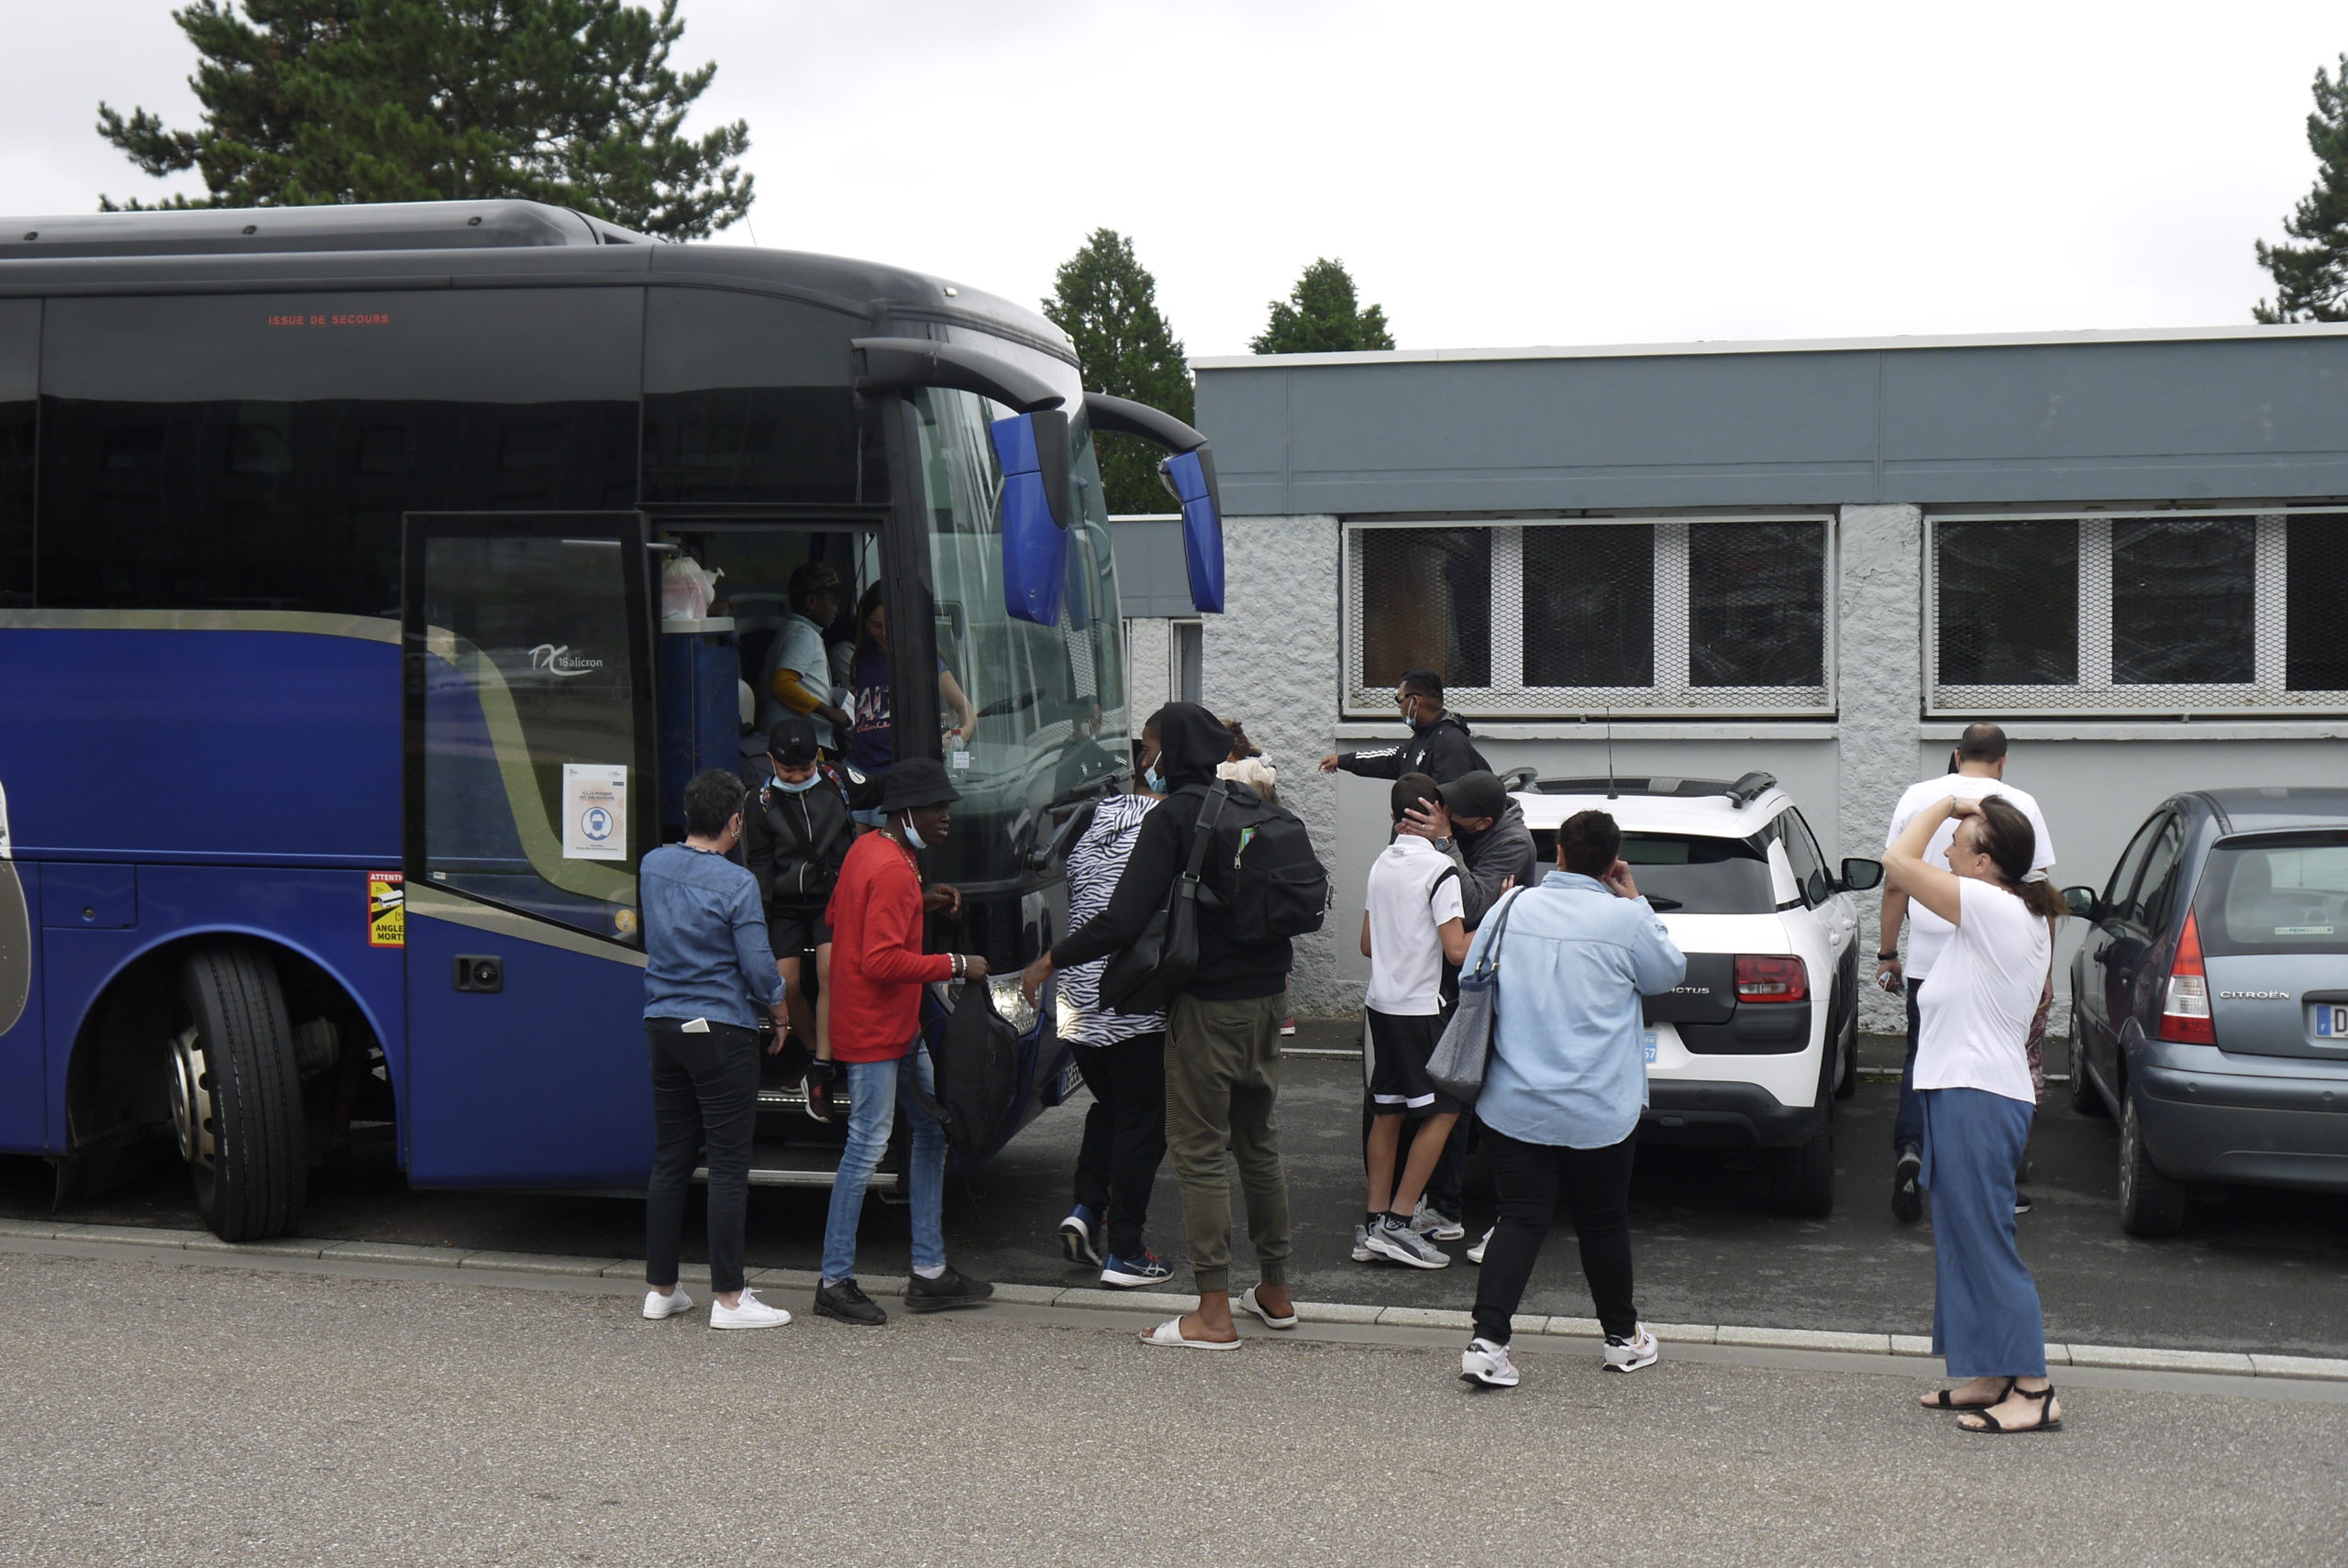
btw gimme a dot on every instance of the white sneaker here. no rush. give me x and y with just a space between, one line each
1361 1245
1404 1245
657 1306
1487 1364
1629 1355
1434 1222
1476 1252
752 1313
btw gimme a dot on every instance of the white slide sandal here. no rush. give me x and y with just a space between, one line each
1249 1301
1170 1332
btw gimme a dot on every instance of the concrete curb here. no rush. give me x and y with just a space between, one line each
457 1262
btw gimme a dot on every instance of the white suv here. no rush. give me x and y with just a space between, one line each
1756 1044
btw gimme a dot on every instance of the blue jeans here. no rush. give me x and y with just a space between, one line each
873 1090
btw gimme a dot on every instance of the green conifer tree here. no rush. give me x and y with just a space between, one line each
1106 299
572 102
2312 280
1321 316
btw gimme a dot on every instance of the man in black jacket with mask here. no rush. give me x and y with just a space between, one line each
1222 1045
795 833
1438 746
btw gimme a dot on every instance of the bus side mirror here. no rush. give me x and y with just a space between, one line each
1190 476
1036 506
1859 876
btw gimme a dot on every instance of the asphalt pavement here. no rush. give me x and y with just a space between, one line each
215 1415
2257 1271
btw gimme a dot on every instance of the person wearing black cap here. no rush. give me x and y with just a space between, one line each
877 973
795 834
1438 746
1222 1052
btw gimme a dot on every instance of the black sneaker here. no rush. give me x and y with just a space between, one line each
2021 1203
950 1289
847 1302
1907 1195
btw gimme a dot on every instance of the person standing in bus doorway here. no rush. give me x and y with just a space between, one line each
1438 746
877 973
798 679
1223 1046
1977 771
872 745
796 834
705 957
1122 1057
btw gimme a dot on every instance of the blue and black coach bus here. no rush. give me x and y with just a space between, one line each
337 701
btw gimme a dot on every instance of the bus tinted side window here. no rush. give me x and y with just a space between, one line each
258 452
19 379
749 398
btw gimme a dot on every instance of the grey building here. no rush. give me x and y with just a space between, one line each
1820 559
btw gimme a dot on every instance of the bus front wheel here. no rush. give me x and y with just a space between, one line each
235 1094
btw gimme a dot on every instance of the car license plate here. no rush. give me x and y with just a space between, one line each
1650 1045
2330 1023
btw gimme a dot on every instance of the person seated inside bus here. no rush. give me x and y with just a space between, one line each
871 747
795 833
797 680
1083 759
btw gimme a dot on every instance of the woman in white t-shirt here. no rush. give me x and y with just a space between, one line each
1972 1078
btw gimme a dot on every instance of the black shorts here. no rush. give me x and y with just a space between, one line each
1400 1044
792 933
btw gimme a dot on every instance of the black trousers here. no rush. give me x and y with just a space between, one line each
1596 1184
1124 1134
704 1095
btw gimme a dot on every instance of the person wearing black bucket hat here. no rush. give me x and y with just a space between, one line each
873 1025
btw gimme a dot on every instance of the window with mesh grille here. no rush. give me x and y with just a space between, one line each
2171 613
1572 618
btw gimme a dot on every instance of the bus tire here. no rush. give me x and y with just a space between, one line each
235 1094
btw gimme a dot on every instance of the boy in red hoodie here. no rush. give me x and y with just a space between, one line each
877 974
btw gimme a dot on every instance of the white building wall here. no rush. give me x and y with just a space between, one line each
1272 661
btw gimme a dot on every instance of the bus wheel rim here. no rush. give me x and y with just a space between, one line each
193 1124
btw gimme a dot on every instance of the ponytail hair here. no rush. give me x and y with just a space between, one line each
2006 836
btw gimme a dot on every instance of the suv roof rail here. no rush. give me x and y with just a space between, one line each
1743 793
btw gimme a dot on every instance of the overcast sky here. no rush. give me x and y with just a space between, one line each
1493 174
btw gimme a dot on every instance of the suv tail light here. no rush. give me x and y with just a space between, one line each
1764 977
2185 1011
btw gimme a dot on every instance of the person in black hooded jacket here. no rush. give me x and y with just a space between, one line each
1222 1044
1438 748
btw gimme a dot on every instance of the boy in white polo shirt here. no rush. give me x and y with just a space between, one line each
1411 926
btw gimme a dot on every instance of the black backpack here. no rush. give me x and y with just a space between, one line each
976 1064
1260 870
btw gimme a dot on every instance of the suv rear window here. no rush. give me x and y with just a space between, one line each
1687 873
2279 893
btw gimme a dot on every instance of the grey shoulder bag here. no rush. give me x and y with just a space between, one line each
1458 1065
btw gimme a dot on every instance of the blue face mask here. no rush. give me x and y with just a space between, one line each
1155 780
804 784
912 835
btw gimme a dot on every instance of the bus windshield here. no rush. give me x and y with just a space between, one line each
1051 720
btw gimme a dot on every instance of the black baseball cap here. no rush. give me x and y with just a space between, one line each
916 781
792 742
1477 794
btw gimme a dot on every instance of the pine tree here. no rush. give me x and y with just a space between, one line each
571 101
1321 315
1106 299
2312 280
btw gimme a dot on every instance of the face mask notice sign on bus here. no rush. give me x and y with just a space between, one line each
594 811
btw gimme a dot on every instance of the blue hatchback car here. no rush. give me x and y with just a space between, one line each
2210 1002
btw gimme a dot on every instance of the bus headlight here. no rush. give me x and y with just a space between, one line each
1009 1004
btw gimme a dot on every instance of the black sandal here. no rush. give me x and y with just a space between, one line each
2046 1397
1941 1401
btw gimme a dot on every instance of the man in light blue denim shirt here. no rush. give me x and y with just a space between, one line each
707 961
1566 1082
